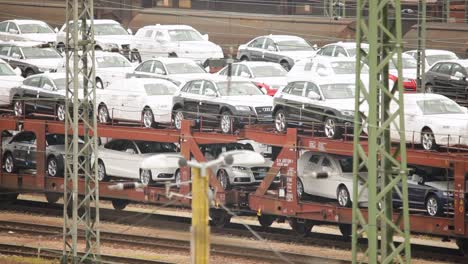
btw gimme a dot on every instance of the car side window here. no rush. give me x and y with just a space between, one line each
194 87
25 137
311 87
340 52
15 52
209 89
243 71
47 83
457 68
116 145
3 26
145 66
127 144
258 43
308 66
435 68
4 50
159 35
12 28
33 81
297 88
287 88
158 68
445 68
328 51
327 165
270 43
149 33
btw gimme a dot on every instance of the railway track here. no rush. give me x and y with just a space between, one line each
172 243
272 234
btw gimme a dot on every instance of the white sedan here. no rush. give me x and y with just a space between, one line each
326 175
122 158
433 120
326 66
433 56
9 78
147 100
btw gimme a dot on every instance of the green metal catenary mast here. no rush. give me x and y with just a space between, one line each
379 24
82 211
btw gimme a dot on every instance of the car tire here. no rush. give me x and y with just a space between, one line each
53 169
103 114
266 220
331 128
145 177
343 197
244 58
223 179
299 188
227 122
61 112
18 107
285 65
428 140
178 117
148 118
177 179
9 162
433 206
102 175
281 124
99 83
28 73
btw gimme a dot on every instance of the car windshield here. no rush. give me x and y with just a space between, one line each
184 35
61 83
183 68
338 90
112 61
293 44
347 67
159 89
5 70
238 88
352 51
408 63
40 53
268 71
431 59
346 164
439 106
35 28
109 29
155 147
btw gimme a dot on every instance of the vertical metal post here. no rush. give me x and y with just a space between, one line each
80 157
386 173
421 53
334 8
447 10
200 243
466 12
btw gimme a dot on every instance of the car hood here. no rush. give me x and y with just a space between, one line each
43 37
407 73
170 163
119 71
115 39
253 100
298 54
51 63
206 46
443 185
272 81
10 81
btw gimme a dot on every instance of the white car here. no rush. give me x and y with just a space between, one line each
268 76
175 40
433 120
327 175
433 56
341 49
147 100
122 158
9 78
27 30
108 34
177 70
109 66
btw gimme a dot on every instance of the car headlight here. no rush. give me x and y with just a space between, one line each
347 113
243 108
449 194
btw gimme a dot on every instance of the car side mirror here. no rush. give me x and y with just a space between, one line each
245 75
18 71
129 30
459 75
271 48
313 95
13 31
205 37
130 151
56 30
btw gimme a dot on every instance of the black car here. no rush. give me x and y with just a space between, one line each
316 102
449 78
216 100
41 93
30 57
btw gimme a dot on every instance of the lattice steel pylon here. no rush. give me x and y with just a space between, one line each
80 153
386 166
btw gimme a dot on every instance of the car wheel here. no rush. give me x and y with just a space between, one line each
429 89
301 227
331 128
178 117
145 177
433 207
99 84
280 121
28 73
428 140
18 108
61 112
299 188
10 164
148 118
342 195
244 58
178 179
226 122
53 168
102 175
223 179
285 65
103 114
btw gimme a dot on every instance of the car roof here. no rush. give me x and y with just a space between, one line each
172 59
101 53
330 59
414 97
100 21
159 26
143 81
434 51
320 80
219 78
463 62
51 75
257 63
26 21
281 37
347 44
24 43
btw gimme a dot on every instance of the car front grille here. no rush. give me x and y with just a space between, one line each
165 175
263 110
259 172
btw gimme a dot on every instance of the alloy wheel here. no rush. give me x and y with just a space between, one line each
299 188
52 167
101 171
432 206
61 112
103 114
178 117
145 177
427 140
18 108
178 180
343 197
223 179
225 123
280 121
330 128
9 164
148 118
